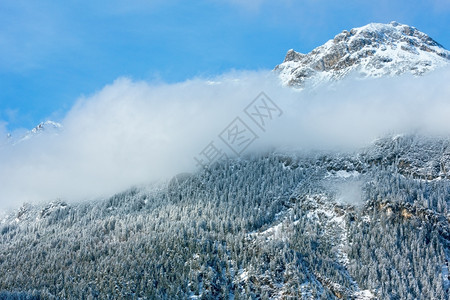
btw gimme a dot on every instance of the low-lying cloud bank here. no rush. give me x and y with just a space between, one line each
136 132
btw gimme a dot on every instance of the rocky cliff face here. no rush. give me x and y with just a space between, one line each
373 50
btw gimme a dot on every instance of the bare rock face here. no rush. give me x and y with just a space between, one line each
373 50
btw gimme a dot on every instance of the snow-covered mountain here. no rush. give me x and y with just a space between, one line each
47 127
373 50
370 224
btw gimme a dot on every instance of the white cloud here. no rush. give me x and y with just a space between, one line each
136 132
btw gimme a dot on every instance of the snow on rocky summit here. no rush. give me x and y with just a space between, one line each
373 50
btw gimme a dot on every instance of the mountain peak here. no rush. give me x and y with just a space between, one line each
47 125
373 50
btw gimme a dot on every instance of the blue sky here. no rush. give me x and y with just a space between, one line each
53 52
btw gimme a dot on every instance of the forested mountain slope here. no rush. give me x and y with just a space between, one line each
322 226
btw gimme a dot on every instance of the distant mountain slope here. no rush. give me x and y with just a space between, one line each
47 127
373 50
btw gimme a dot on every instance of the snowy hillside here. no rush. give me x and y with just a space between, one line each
373 50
